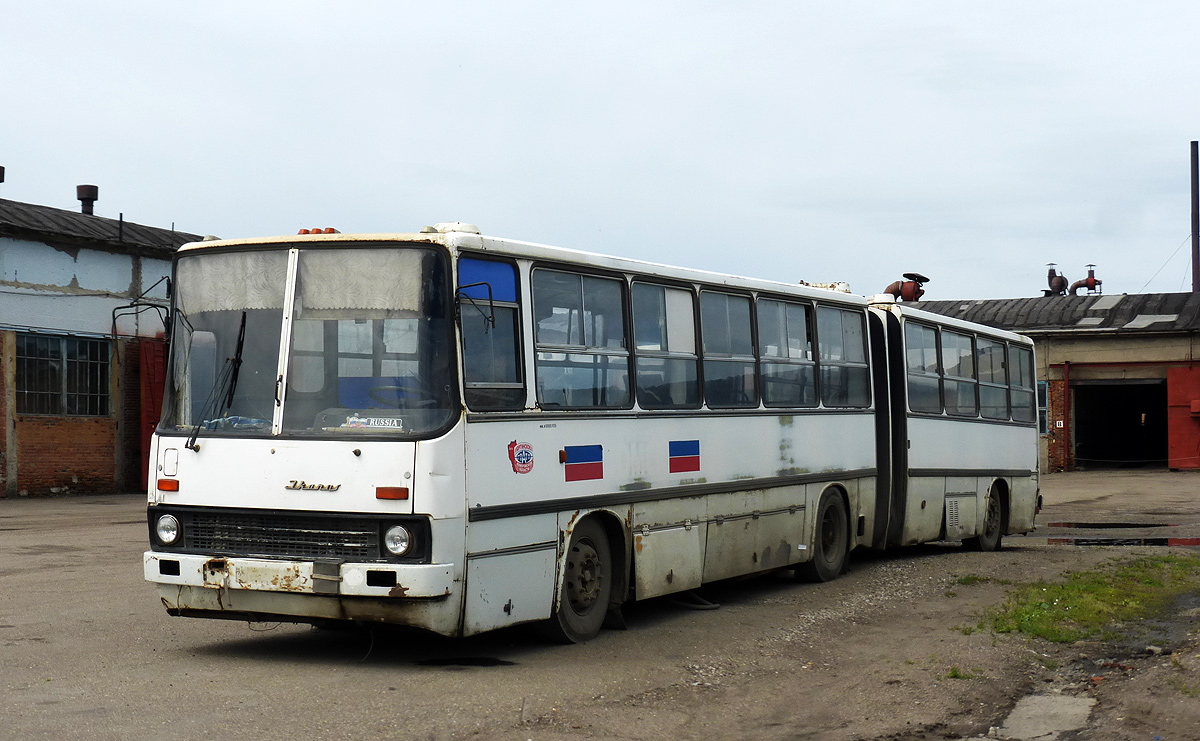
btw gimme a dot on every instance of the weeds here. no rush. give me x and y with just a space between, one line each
956 673
1094 604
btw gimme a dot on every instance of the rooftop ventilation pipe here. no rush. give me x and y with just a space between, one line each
1092 283
908 289
1056 281
87 195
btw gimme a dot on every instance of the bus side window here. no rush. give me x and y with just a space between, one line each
841 343
664 329
1021 384
958 359
924 378
579 335
993 379
491 355
785 348
728 350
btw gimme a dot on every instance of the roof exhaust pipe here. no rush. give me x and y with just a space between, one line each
1057 282
1092 283
87 195
909 289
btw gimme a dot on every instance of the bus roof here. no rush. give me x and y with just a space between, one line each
466 241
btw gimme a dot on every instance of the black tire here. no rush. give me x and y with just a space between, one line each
586 589
831 541
993 525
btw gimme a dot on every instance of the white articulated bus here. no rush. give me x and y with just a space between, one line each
460 433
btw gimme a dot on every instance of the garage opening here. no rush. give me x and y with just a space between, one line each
1120 424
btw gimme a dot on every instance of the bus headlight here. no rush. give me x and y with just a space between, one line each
167 529
397 540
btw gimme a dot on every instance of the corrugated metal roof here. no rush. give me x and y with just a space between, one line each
1142 312
55 225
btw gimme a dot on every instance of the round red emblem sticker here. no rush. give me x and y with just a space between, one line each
521 456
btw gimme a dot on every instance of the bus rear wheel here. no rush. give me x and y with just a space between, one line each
831 544
586 587
993 524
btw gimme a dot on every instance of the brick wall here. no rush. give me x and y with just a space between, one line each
65 454
1057 442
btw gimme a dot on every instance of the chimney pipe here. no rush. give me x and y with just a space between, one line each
1057 282
87 195
1195 220
1091 283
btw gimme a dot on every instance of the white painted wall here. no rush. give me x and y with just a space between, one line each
49 289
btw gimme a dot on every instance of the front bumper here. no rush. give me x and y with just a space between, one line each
299 577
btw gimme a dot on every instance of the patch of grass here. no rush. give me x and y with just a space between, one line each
1093 604
956 673
1185 689
972 579
949 594
965 629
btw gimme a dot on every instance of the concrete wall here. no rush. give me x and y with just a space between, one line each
75 291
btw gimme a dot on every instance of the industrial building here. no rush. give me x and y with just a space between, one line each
83 300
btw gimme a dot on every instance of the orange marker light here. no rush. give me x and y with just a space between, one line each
168 485
391 492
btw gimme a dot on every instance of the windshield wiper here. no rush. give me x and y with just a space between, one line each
228 377
236 362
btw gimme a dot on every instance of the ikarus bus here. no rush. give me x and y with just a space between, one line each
460 433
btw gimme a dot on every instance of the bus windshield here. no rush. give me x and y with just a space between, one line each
367 350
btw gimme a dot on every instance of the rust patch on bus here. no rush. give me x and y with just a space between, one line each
289 580
398 591
637 543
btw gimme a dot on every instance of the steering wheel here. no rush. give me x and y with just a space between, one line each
399 397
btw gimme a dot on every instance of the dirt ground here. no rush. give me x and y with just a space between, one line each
899 656
896 651
891 650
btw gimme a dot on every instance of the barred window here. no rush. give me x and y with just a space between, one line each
62 376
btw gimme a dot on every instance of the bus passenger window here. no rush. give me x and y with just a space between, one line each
1021 384
993 379
664 329
491 356
579 331
924 378
958 359
842 349
728 350
787 370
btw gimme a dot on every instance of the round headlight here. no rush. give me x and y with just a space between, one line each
167 529
397 540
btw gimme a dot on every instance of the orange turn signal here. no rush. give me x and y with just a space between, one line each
391 492
168 484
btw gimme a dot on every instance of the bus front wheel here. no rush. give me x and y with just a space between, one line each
831 544
586 586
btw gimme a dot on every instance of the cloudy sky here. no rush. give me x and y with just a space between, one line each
972 142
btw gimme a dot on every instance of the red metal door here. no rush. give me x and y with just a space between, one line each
1183 417
153 374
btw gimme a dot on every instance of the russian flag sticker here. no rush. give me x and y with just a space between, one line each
685 455
584 462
